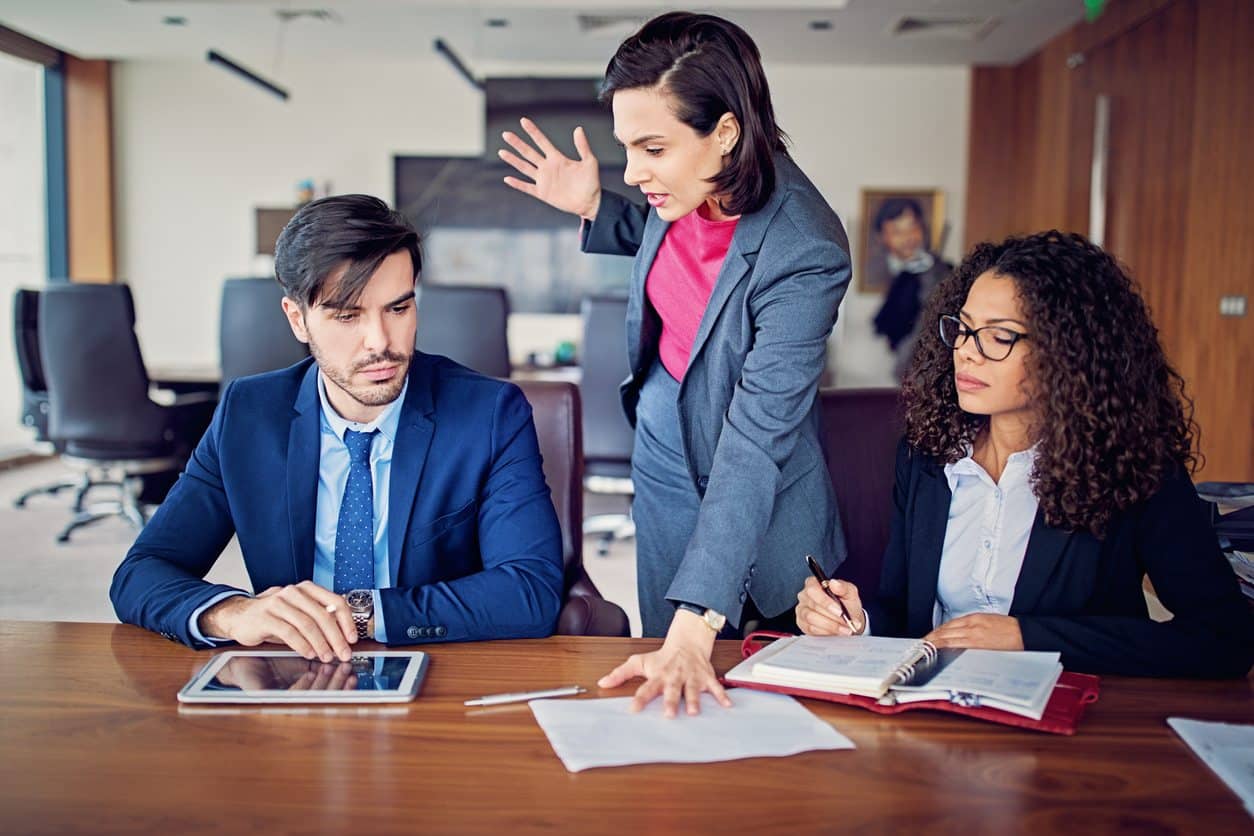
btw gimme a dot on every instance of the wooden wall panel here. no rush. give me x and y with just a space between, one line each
1050 164
1180 202
1148 74
89 170
1217 357
991 151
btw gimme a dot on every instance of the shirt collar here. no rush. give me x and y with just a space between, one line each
386 422
1020 462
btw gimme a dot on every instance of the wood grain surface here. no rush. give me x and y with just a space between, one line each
111 750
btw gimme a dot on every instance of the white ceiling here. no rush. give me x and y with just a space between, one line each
540 33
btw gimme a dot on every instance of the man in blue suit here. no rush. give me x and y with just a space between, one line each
376 491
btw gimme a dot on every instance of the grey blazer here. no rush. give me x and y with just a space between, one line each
748 403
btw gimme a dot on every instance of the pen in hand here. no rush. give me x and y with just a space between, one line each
817 571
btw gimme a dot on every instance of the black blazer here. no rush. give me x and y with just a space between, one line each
1079 595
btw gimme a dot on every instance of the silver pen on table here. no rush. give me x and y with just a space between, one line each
521 696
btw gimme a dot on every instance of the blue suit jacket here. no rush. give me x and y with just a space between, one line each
748 404
474 545
1079 595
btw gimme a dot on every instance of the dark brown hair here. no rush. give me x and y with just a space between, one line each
354 228
709 66
1113 419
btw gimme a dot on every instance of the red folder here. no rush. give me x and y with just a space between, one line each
1066 705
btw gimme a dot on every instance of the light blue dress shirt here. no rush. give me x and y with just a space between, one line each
986 537
333 465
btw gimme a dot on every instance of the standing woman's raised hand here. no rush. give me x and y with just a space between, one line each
570 185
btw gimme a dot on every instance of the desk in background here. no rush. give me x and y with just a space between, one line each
115 753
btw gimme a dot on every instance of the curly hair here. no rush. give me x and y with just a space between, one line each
1112 418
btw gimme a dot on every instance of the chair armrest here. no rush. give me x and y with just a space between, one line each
583 615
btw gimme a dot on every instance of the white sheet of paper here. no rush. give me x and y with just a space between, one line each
1227 748
591 733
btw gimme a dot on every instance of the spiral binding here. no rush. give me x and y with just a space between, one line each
926 657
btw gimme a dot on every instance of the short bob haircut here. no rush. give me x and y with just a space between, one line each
356 230
710 66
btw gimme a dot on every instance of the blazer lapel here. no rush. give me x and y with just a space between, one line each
735 269
931 519
741 254
409 456
304 450
1046 545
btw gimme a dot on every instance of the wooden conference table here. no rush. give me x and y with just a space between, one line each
110 751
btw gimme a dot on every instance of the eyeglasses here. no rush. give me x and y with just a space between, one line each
954 332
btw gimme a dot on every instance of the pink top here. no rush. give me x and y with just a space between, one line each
681 280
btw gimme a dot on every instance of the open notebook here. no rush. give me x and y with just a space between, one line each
900 671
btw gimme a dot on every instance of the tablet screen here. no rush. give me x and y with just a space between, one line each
292 673
284 676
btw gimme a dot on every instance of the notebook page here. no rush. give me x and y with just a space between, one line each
859 664
1021 677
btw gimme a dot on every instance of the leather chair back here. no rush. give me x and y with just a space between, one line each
467 324
97 383
555 410
860 431
608 438
29 364
253 334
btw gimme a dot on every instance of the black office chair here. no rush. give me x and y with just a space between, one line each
608 438
34 390
99 405
467 324
253 333
555 410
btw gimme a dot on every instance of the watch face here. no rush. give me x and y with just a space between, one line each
360 599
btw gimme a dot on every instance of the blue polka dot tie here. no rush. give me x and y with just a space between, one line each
354 533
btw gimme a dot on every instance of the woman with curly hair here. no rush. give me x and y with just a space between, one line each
1044 473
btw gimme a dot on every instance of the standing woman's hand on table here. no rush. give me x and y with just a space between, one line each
680 669
569 185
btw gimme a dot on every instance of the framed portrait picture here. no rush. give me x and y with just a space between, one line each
896 225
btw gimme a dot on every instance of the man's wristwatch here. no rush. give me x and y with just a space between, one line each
714 620
361 608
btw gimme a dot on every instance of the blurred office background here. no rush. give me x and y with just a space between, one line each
127 157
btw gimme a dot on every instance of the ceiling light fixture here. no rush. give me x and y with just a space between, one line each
215 57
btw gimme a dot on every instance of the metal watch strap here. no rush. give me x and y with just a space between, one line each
362 620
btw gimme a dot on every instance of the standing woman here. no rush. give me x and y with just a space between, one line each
1044 474
739 268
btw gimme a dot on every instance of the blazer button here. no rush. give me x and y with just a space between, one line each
440 631
412 632
743 596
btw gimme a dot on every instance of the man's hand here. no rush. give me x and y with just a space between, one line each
680 668
818 615
569 185
982 631
313 621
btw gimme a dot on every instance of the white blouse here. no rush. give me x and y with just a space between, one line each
986 537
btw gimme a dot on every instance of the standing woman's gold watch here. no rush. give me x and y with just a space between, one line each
361 608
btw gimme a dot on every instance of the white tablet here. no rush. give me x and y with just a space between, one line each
261 676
